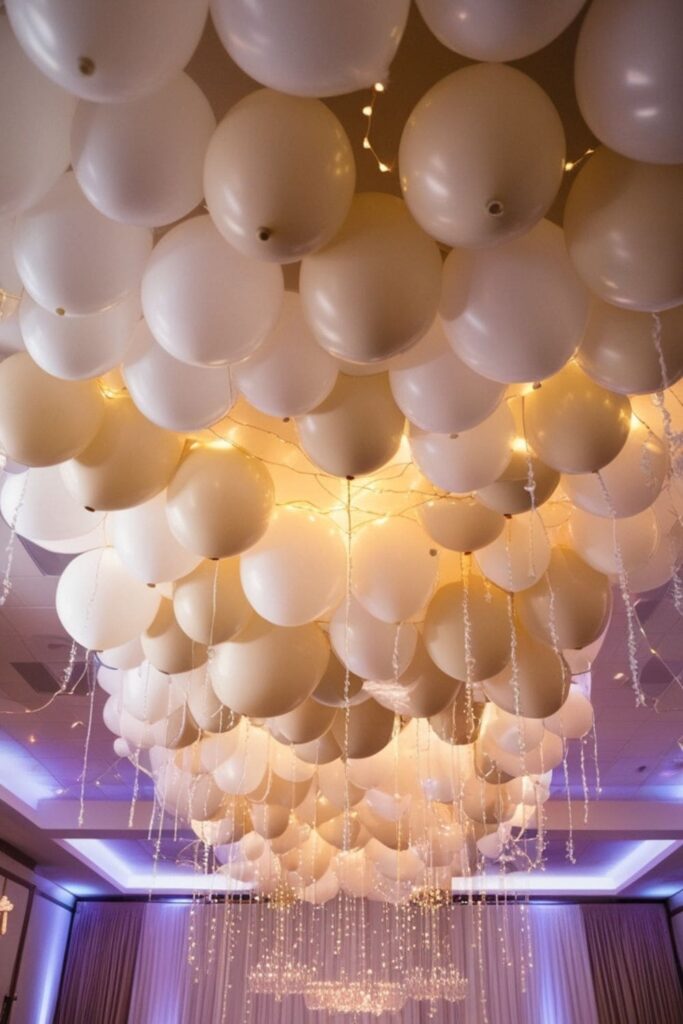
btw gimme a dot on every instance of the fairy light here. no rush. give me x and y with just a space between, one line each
571 165
369 113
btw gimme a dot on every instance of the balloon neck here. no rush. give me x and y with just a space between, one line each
60 311
495 208
350 477
536 385
86 66
89 508
264 234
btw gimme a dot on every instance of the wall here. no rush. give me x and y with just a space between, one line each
44 948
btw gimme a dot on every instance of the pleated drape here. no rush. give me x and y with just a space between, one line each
100 964
634 970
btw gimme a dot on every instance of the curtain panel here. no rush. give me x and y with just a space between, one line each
635 976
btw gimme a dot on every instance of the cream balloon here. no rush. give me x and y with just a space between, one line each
324 750
662 415
496 29
219 501
608 545
108 54
246 766
466 461
356 430
99 604
165 645
149 694
128 655
320 50
37 506
481 156
141 161
662 564
71 259
471 652
511 732
619 348
204 302
460 524
268 670
429 690
364 730
295 572
78 347
628 78
519 556
285 209
442 394
628 484
574 719
393 572
127 462
524 480
570 606
307 722
35 121
536 686
373 291
335 690
515 312
206 709
370 648
289 374
44 421
573 424
145 544
210 604
623 223
269 820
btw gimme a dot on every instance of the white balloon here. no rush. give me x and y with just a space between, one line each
39 507
608 545
71 259
394 570
320 49
575 717
295 573
469 460
145 544
105 52
128 655
35 121
289 374
141 162
442 394
519 556
172 394
515 312
246 766
149 694
100 605
204 302
370 648
79 347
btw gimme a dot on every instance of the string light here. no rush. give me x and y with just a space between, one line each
369 112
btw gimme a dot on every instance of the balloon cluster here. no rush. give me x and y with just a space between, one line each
341 550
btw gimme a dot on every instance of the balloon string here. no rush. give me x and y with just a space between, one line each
673 439
86 752
469 657
347 672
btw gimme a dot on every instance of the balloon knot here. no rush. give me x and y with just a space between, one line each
264 234
86 66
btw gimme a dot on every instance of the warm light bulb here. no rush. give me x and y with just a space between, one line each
378 87
367 111
519 444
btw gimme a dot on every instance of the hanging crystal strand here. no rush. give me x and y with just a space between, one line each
584 778
479 911
136 788
530 488
570 816
86 750
346 840
673 439
6 585
467 636
596 762
69 667
514 680
632 645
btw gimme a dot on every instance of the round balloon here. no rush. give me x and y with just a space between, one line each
460 524
78 347
268 670
100 604
289 374
35 122
467 461
525 479
466 630
172 394
44 420
39 507
219 500
145 544
374 290
573 424
570 606
71 259
535 685
338 686
515 312
629 79
309 721
519 556
108 54
204 302
619 348
613 545
141 162
623 223
312 50
167 647
281 209
496 29
393 568
363 730
127 462
370 648
209 602
574 719
442 394
481 156
356 430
